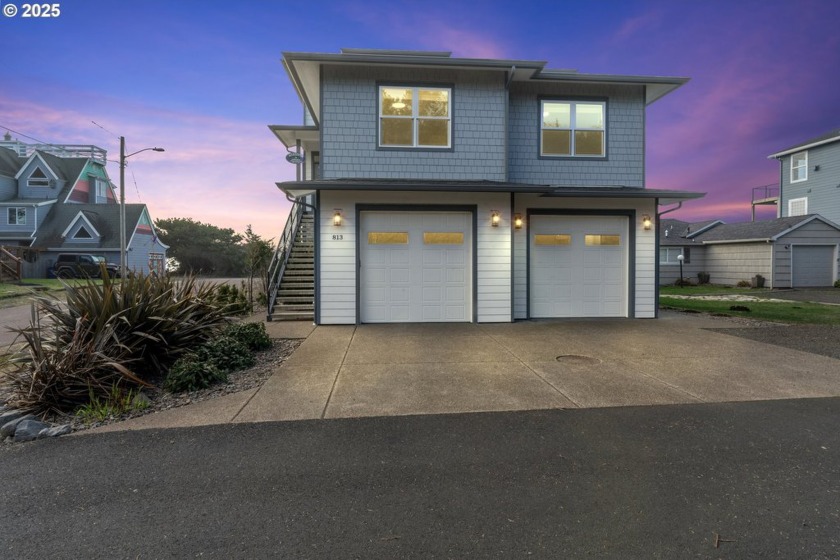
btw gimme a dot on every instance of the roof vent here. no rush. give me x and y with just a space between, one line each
7 137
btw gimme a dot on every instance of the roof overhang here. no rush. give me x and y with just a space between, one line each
804 147
303 188
304 70
289 135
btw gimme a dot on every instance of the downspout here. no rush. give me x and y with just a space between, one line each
660 214
656 255
781 184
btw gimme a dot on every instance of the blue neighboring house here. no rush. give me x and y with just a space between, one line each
431 188
58 199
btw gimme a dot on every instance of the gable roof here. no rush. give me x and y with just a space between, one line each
304 70
105 218
677 232
827 138
759 231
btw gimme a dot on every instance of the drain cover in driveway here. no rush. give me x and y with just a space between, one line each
577 360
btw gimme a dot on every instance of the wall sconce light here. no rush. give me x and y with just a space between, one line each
337 217
647 223
517 221
495 218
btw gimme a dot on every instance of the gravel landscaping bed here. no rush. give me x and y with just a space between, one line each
158 400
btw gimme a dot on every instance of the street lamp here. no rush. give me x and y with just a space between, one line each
124 157
681 258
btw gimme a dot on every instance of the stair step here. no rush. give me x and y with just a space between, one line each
299 307
282 301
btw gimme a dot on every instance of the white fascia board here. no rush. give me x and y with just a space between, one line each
729 241
73 223
805 222
789 151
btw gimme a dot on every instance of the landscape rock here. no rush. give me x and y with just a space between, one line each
55 431
10 426
28 429
141 400
9 415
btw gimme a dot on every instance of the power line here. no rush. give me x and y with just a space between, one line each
103 128
136 188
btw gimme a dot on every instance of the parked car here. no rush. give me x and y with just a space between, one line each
81 265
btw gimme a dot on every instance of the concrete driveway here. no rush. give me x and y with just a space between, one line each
376 370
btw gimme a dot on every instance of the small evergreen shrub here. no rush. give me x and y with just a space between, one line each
226 354
190 373
744 284
703 277
231 300
253 335
837 283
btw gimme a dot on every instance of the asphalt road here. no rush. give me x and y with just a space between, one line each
644 482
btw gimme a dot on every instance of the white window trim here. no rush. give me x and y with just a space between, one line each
89 226
415 130
792 201
668 251
805 166
40 180
572 128
16 209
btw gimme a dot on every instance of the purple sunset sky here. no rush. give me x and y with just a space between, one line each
203 79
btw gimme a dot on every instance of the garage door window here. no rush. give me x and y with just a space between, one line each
388 238
601 239
443 238
553 239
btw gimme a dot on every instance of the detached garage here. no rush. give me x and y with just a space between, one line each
793 252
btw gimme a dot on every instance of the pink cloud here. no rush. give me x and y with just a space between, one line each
215 170
633 26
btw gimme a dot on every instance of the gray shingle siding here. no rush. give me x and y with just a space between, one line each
350 119
625 137
822 188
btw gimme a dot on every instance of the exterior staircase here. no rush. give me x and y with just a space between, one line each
292 272
10 264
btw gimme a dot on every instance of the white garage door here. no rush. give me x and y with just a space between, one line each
578 266
813 265
416 267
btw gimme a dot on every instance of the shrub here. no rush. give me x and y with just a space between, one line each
253 335
682 282
703 277
837 283
191 373
231 300
98 409
744 284
118 332
226 353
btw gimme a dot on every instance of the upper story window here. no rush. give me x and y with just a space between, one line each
798 206
799 167
415 117
573 128
38 179
101 189
17 216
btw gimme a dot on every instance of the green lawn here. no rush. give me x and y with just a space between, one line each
784 312
19 294
709 289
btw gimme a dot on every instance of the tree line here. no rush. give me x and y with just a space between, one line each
204 249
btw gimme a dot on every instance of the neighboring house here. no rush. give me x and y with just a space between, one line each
472 190
59 199
678 238
809 175
792 252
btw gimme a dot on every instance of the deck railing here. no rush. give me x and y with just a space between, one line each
281 255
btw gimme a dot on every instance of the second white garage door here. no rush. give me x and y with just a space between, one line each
578 266
415 267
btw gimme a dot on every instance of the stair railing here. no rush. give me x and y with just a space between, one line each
281 255
9 264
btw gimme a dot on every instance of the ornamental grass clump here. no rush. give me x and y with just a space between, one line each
124 333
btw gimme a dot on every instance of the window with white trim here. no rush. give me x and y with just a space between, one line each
798 206
17 216
799 167
415 117
101 189
38 178
668 255
573 128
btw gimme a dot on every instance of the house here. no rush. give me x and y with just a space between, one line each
58 199
791 252
809 177
678 238
431 188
